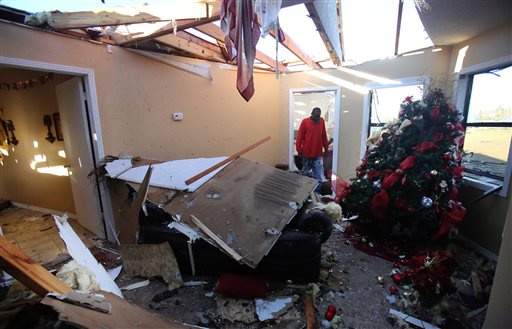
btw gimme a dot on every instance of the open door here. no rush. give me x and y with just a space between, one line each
73 111
302 102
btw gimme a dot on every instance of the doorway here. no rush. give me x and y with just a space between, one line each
95 213
302 102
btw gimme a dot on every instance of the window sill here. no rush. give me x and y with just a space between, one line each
484 186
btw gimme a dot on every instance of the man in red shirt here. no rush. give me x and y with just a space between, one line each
311 139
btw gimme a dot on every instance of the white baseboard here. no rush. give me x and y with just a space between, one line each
44 210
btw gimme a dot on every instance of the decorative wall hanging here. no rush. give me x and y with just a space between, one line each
24 84
10 128
58 127
4 138
47 121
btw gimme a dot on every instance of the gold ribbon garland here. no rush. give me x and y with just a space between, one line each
24 84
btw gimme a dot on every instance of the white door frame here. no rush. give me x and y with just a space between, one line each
337 122
92 101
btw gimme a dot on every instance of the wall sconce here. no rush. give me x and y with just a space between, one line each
47 121
10 128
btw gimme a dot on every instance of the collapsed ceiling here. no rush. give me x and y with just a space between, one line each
193 30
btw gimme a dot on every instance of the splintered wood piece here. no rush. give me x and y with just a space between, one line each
131 223
215 238
124 315
26 270
227 160
309 308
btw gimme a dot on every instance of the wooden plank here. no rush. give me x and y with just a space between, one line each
124 315
215 238
26 270
326 16
169 60
195 49
216 32
146 14
244 204
131 222
168 29
227 160
309 309
295 49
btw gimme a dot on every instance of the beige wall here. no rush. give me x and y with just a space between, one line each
137 96
18 181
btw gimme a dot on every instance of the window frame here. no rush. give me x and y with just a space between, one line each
367 115
462 90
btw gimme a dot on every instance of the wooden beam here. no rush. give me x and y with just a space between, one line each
295 49
180 26
216 32
171 61
131 221
227 160
200 42
190 47
27 271
146 14
398 24
328 23
215 238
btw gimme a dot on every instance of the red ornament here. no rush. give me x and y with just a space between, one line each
397 278
329 315
331 308
393 290
447 156
404 261
396 265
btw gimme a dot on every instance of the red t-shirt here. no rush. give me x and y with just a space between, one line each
311 138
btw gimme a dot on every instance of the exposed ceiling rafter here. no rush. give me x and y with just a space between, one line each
191 47
297 51
216 32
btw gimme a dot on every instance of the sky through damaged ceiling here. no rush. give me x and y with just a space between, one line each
369 28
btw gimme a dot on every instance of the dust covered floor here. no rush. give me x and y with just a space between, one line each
348 281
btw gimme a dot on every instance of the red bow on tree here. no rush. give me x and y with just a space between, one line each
380 204
450 218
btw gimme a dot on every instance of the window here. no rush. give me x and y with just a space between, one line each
488 120
385 103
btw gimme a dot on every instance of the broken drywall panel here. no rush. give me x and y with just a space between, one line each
272 308
114 273
149 260
136 285
173 174
124 315
117 167
417 322
251 199
86 299
83 256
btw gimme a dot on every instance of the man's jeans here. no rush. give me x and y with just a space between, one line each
315 165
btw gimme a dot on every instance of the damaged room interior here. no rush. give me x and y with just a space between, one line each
255 164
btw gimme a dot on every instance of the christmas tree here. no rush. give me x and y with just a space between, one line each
406 186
